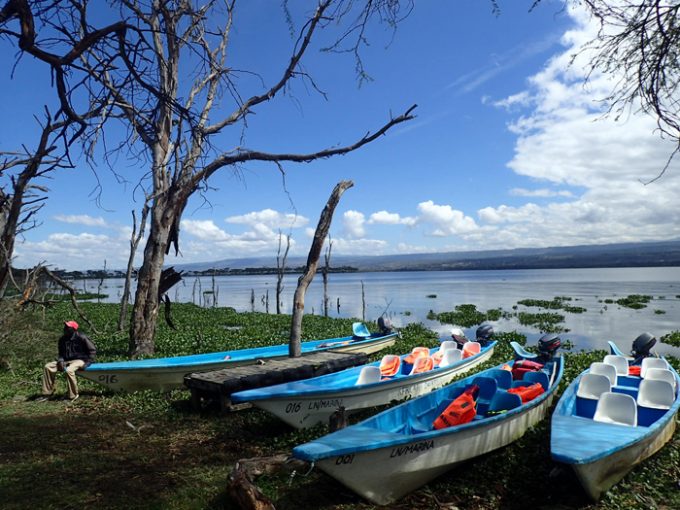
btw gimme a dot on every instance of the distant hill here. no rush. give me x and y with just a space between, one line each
662 253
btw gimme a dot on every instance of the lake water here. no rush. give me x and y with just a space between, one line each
403 296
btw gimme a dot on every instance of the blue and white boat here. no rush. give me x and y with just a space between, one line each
305 403
607 420
399 450
164 374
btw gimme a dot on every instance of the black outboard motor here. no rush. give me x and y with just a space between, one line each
642 346
548 346
385 325
484 334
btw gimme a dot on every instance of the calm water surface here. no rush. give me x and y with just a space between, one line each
403 296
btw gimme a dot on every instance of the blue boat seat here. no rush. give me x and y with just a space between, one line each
504 401
369 375
360 330
538 377
604 369
450 357
654 400
487 389
661 374
521 352
619 362
590 388
503 377
630 381
628 390
616 408
648 363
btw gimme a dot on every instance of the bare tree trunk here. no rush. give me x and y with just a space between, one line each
135 238
294 348
324 273
363 302
280 270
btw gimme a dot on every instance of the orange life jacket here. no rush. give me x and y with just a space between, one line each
528 393
417 352
462 410
390 365
635 370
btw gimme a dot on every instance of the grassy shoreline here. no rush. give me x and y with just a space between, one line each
149 450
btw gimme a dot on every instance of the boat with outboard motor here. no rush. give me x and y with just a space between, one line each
402 448
305 403
164 374
615 415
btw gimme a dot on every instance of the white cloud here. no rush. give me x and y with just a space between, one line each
353 223
81 219
270 218
388 218
543 192
565 139
445 220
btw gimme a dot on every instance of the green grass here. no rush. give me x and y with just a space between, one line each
85 455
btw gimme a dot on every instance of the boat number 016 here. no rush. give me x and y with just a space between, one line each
293 407
344 459
108 379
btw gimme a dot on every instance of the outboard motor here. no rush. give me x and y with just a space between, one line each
484 334
459 337
642 346
548 346
385 325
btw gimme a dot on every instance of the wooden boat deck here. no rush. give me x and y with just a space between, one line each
220 384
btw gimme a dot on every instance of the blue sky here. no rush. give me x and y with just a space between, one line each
509 148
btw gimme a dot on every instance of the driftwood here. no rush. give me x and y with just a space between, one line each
241 486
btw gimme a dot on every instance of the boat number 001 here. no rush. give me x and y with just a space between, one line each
293 407
108 379
344 459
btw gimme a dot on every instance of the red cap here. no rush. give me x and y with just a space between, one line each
71 324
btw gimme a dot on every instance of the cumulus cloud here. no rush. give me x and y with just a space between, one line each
543 192
565 138
445 220
270 218
388 218
81 219
353 224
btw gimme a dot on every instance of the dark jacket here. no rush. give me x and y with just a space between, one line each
77 346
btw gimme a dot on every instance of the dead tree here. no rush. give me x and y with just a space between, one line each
324 274
294 348
139 70
135 238
22 198
280 270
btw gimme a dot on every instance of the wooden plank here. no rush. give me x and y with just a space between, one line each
222 383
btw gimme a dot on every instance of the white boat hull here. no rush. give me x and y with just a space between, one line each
308 410
384 475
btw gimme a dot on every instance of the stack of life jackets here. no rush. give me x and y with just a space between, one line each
522 366
527 393
462 410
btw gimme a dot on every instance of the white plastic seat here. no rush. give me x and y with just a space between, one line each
369 375
604 369
619 362
656 394
648 363
592 386
446 345
661 374
450 357
616 408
